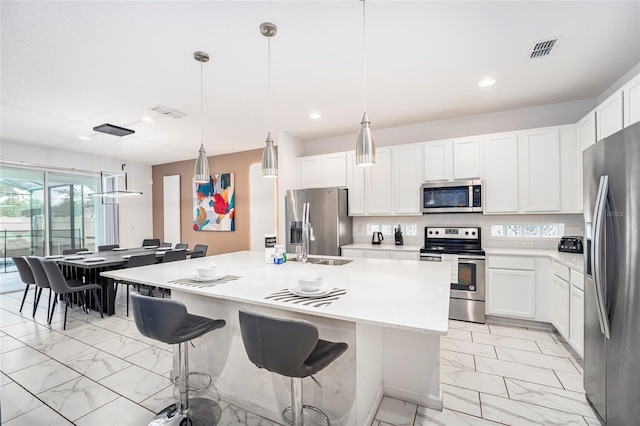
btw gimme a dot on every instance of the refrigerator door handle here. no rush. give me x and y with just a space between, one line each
596 247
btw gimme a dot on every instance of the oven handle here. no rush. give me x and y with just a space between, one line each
438 258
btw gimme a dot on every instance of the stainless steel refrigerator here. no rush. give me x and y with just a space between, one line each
612 276
328 215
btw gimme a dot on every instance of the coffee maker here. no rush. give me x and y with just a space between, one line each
398 236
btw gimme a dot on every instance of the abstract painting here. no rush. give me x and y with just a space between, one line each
214 204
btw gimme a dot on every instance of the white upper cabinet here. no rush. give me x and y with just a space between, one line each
467 158
501 173
379 188
438 160
609 116
631 97
322 171
585 137
356 185
453 159
539 160
407 178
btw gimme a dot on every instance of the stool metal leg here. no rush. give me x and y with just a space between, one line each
297 407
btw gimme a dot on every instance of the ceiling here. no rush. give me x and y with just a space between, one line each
70 66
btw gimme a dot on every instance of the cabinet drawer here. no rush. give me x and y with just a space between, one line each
512 262
561 271
577 279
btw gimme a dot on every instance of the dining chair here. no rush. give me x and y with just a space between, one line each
163 245
151 242
133 262
61 286
42 281
182 246
26 276
108 247
173 255
199 250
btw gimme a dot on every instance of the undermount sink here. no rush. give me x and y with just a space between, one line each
324 261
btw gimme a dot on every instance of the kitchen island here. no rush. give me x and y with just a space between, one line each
391 313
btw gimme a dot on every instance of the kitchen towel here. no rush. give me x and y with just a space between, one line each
453 258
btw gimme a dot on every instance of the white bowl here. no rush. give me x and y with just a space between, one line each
309 283
207 271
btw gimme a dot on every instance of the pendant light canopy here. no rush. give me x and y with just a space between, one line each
269 159
365 148
202 164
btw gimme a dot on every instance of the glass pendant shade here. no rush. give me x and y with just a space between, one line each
202 166
269 160
365 147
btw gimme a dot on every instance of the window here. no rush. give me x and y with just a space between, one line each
546 230
407 229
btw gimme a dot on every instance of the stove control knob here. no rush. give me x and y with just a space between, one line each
466 233
473 233
437 232
430 232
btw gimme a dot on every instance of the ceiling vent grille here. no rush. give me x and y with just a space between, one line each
542 48
169 112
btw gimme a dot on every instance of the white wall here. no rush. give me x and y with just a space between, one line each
289 149
135 211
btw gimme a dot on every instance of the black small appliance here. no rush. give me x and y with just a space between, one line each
398 236
571 245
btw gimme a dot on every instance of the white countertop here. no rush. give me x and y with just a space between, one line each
364 246
572 260
401 294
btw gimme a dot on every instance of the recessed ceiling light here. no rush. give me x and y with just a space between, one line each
84 138
315 115
486 82
149 119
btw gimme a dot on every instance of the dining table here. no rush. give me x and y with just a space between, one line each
87 267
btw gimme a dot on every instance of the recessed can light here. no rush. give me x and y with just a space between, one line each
315 115
84 138
486 82
149 119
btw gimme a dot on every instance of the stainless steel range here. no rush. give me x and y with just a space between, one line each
463 247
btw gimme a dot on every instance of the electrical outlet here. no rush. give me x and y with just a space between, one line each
527 245
360 229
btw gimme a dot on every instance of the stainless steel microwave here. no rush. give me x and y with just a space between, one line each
463 196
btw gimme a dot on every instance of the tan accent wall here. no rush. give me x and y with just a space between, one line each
218 241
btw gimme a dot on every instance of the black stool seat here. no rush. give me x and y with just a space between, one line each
291 348
168 321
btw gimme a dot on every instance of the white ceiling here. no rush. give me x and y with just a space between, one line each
70 66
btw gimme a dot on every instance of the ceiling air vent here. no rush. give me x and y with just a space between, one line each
542 48
112 129
169 112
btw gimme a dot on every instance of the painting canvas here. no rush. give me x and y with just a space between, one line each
214 204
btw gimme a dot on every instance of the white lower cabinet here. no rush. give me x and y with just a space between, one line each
576 322
381 254
561 306
511 293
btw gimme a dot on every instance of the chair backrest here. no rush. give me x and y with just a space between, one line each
173 255
141 260
38 271
278 345
73 251
157 318
199 250
166 244
151 242
26 275
181 246
109 247
57 281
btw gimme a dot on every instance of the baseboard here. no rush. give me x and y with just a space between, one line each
417 398
539 325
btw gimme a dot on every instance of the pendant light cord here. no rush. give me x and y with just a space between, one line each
201 105
364 53
269 84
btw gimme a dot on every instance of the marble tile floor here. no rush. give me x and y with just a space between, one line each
98 369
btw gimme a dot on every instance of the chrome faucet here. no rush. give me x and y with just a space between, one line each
307 233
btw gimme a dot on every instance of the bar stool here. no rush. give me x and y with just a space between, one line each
168 321
291 348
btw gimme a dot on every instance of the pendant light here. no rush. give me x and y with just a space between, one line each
202 164
269 159
365 148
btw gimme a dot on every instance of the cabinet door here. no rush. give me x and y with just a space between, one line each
511 293
561 306
404 255
379 193
585 137
501 173
376 254
356 186
609 116
309 172
352 253
539 152
576 330
407 166
438 160
467 162
631 96
334 170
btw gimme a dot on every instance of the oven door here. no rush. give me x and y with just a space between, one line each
471 282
